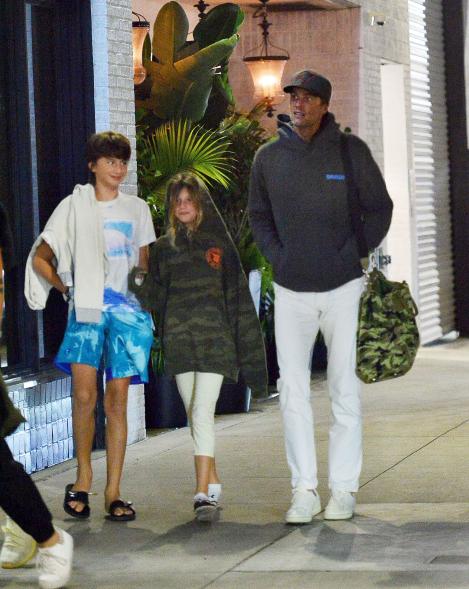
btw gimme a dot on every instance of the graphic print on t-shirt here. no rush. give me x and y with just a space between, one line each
127 226
120 251
118 237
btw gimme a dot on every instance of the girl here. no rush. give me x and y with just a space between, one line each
206 319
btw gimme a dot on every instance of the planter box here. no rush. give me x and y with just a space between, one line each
163 403
234 398
45 401
164 407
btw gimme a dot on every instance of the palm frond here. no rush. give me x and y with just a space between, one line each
177 147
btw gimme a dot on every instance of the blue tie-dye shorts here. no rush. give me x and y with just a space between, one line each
120 343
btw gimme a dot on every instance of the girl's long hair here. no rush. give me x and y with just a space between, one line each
198 192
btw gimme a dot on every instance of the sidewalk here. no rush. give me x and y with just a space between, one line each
412 524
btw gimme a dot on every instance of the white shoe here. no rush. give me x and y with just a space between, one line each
18 546
205 508
305 505
55 563
341 505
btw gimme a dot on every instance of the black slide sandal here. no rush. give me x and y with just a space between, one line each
81 497
124 517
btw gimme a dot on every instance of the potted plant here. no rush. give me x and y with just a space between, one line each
163 404
182 74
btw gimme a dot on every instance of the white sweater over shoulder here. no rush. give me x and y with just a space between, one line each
74 233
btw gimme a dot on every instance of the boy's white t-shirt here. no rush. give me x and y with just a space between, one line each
127 226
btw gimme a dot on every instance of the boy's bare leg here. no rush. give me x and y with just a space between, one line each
115 406
84 403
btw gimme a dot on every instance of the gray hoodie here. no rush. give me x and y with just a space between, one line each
299 212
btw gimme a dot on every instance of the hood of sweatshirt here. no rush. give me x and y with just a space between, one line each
212 223
328 131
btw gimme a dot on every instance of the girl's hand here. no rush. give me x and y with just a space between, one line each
140 276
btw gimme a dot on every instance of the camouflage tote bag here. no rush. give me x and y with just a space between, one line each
387 336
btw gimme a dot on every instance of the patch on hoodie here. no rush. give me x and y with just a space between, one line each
335 176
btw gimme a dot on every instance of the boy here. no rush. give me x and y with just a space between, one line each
92 240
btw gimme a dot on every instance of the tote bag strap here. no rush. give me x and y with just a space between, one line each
353 199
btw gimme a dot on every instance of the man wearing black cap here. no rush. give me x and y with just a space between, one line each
300 218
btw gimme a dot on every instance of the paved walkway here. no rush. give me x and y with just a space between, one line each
412 524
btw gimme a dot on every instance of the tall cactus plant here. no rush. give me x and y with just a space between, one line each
182 74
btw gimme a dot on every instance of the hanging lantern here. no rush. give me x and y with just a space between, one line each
201 7
140 29
266 69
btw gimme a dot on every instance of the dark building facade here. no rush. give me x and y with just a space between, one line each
46 114
456 88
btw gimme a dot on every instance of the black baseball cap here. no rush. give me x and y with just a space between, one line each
311 81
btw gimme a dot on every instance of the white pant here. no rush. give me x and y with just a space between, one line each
298 317
199 392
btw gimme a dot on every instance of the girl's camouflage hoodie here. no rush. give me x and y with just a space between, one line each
205 314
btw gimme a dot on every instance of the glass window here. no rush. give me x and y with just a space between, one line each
46 115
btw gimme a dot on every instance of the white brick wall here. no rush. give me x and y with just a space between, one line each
380 44
115 109
136 414
113 74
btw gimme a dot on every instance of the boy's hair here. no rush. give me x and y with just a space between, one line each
106 144
196 189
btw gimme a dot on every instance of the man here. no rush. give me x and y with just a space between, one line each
29 525
91 242
300 218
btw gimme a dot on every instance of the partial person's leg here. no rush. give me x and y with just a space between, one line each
339 326
84 403
296 327
115 407
20 499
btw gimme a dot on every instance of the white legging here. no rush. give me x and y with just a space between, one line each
199 392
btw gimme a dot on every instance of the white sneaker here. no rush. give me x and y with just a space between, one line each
55 563
18 546
341 505
305 505
205 508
